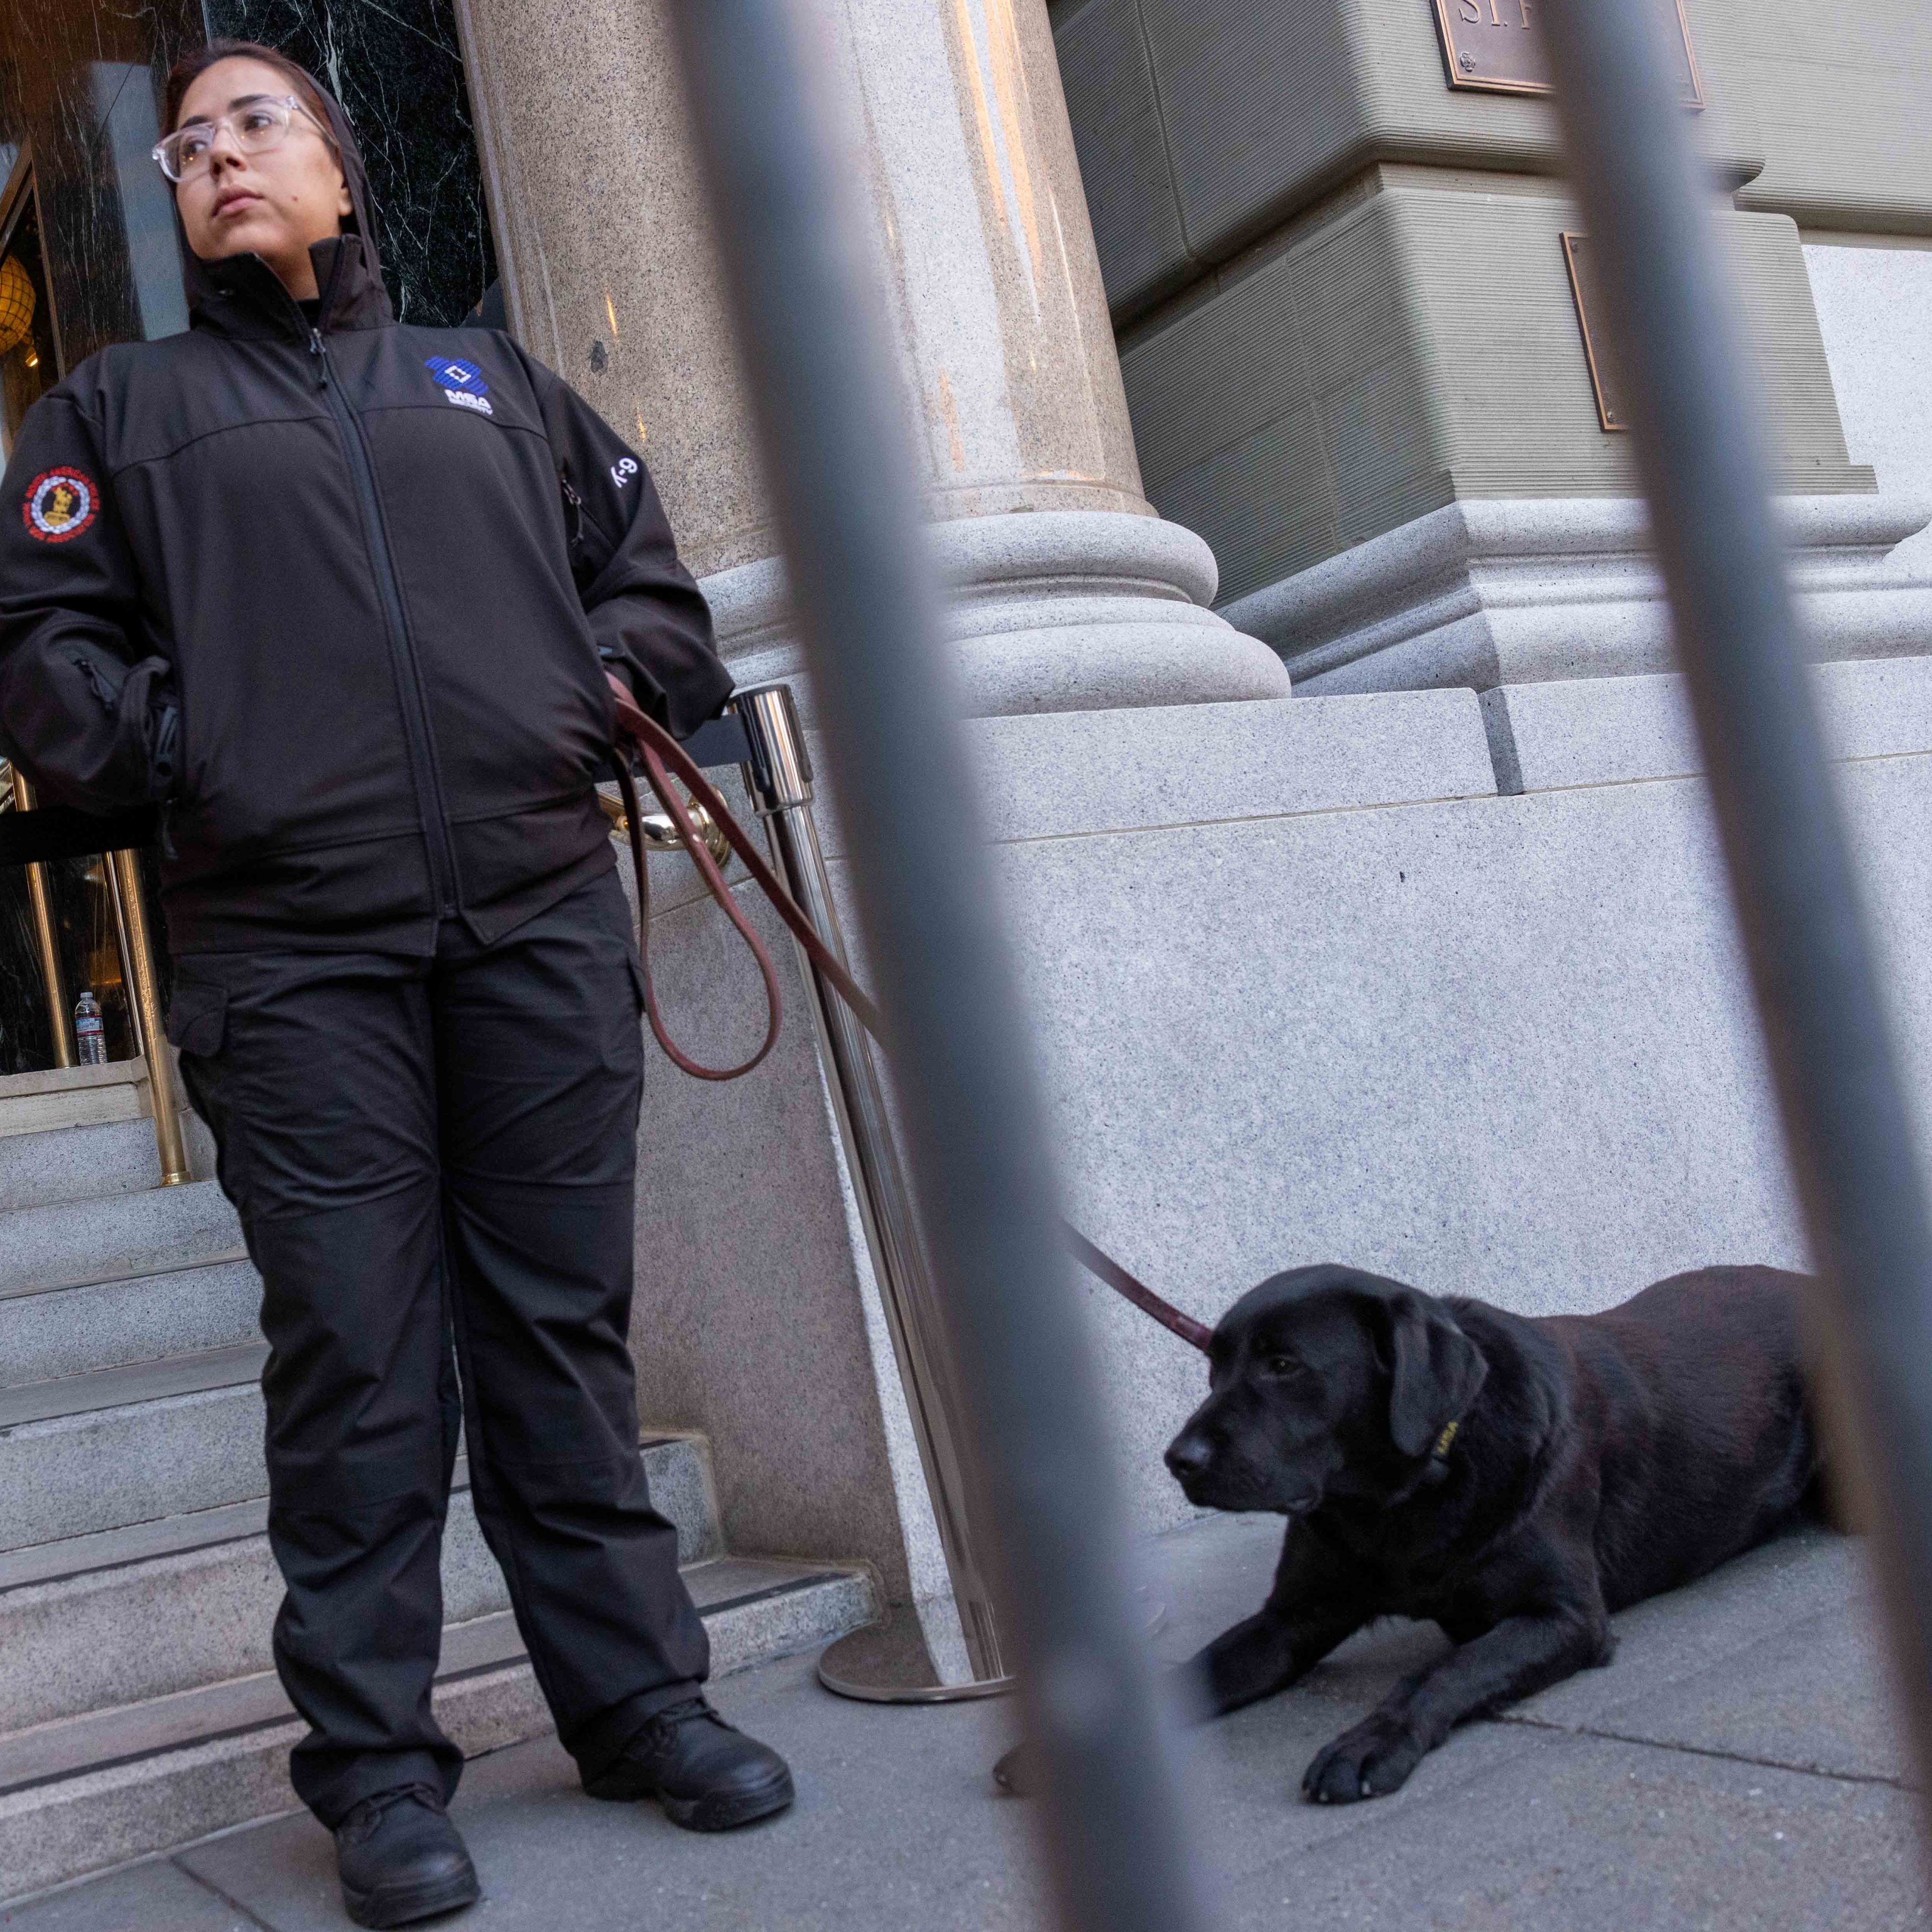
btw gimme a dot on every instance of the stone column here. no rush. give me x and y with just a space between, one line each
1070 593
758 1322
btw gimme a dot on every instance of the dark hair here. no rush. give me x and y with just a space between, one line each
191 67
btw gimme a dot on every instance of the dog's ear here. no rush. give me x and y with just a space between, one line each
1437 1371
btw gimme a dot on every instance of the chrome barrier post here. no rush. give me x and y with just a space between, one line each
1852 1139
897 1661
60 1020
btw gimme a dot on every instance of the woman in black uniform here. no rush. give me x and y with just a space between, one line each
343 597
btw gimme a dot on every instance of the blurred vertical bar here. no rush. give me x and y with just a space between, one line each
1679 340
836 452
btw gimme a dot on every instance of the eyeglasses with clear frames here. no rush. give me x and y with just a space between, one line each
257 124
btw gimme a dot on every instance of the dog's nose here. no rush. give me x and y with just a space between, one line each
1187 1456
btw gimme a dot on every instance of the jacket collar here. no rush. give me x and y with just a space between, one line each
242 296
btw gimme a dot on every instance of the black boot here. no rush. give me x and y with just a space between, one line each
401 1859
708 1776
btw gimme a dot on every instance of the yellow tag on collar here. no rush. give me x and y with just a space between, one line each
1448 1436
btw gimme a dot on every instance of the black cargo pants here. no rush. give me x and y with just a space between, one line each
425 1152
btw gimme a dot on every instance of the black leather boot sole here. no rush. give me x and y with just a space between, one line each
404 1904
726 1811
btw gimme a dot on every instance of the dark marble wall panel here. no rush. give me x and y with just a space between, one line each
397 68
79 90
78 85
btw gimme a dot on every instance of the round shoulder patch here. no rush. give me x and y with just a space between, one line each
60 503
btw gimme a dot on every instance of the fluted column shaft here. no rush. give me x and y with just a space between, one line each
1071 594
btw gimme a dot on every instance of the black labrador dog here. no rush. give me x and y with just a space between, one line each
1515 1480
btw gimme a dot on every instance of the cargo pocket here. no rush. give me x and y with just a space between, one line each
198 1016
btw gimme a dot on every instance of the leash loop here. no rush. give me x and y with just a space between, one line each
693 842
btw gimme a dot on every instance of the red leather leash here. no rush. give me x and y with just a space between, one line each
661 755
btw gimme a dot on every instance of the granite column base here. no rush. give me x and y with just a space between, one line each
1048 611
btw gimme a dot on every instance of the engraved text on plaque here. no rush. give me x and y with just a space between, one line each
1497 46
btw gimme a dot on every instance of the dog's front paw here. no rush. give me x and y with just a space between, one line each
1371 1761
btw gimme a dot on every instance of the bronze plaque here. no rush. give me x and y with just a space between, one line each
1581 262
1496 46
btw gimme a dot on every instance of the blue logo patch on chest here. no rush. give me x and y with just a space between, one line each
461 383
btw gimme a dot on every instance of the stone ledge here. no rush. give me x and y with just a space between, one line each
1489 592
1081 773
1610 730
1069 774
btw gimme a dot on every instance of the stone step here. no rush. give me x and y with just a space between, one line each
124 1445
72 1096
76 1163
128 1615
84 1162
72 1244
90 1792
70 1331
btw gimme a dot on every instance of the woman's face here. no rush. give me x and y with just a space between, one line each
273 204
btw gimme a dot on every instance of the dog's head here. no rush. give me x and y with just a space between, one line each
1326 1382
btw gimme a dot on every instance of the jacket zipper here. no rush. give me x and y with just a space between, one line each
414 704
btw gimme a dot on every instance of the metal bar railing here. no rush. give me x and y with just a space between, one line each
1853 1144
867 600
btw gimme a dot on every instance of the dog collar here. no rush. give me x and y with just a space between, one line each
1442 1442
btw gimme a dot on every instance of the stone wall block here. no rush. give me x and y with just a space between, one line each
1840 94
1417 344
1202 124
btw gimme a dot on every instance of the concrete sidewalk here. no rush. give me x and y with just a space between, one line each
1736 1767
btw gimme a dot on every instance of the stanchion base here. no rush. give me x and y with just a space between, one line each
889 1663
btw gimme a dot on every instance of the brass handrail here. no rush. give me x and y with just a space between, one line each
20 798
144 1002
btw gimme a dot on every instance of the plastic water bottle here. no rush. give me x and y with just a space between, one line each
89 1040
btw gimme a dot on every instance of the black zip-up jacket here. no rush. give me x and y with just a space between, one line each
341 598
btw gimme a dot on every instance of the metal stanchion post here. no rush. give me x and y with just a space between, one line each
145 1000
896 1661
59 1020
